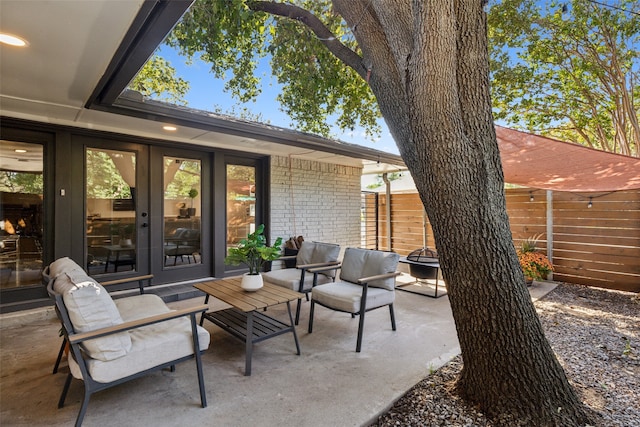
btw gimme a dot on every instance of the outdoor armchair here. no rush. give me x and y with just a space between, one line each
310 255
112 342
63 263
366 282
184 242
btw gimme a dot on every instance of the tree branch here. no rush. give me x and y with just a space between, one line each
335 46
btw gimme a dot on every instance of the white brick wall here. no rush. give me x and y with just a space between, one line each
320 201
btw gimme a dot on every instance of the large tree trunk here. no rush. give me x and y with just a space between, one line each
429 72
427 64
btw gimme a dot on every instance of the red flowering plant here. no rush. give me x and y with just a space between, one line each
534 264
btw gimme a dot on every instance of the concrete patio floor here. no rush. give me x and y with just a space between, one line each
329 384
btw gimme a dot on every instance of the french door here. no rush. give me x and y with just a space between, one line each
181 219
116 200
144 212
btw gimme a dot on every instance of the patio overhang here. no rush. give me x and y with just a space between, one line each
74 75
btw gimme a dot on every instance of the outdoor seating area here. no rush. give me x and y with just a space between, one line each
331 392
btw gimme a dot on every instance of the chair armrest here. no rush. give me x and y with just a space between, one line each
286 258
84 336
335 266
308 267
127 280
138 279
364 280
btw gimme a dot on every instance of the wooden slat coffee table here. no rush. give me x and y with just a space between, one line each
246 320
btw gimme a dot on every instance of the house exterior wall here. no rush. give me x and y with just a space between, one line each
319 201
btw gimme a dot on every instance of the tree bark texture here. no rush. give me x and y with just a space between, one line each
429 70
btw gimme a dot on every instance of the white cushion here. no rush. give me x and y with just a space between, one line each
305 253
346 296
152 345
90 307
290 278
316 253
140 306
62 265
360 263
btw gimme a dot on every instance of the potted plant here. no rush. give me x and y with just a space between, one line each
535 265
254 252
193 193
182 210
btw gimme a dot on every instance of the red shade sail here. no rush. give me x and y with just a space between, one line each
540 162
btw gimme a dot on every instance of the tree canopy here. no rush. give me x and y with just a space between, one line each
568 71
316 87
158 79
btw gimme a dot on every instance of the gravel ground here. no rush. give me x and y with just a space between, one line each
595 334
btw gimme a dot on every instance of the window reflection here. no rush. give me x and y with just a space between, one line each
182 211
21 228
241 202
111 211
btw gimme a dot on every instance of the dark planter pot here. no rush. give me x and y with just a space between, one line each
183 213
290 263
191 211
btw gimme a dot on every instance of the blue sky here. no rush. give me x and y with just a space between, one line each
206 92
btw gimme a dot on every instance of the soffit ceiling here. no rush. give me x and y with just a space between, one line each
72 43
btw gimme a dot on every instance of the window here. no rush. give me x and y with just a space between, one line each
182 211
21 225
241 202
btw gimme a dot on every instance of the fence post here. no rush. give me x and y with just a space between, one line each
550 230
387 183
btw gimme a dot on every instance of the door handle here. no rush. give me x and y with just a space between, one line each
144 225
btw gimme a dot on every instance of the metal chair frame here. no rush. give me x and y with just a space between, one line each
75 339
364 282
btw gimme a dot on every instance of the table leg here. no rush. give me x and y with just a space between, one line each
249 344
293 329
206 301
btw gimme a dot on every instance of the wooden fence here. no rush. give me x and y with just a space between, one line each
592 238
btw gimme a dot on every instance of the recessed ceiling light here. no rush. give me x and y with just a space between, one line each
169 128
12 40
20 150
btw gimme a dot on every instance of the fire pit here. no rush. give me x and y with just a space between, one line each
423 265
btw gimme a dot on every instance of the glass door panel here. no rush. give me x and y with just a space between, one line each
241 202
111 211
21 221
182 211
